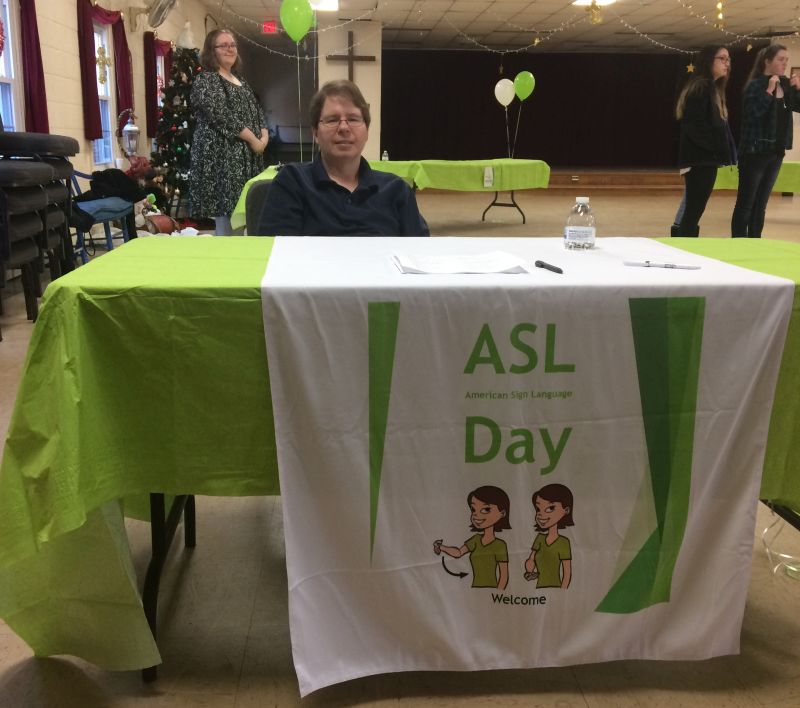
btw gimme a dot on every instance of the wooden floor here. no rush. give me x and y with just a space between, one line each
617 213
224 627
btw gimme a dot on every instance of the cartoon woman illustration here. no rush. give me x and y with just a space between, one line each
488 555
550 561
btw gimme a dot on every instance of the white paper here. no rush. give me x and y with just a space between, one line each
494 262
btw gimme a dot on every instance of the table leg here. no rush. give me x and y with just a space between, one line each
512 203
790 516
162 531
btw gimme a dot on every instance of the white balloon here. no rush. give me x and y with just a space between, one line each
504 91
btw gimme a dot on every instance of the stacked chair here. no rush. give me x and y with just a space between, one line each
34 209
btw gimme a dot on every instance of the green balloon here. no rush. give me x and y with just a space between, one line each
296 18
523 84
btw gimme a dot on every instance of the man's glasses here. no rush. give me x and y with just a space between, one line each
225 46
334 121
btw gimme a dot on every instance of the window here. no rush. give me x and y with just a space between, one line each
11 101
161 81
102 148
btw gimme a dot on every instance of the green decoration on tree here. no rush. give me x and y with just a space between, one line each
176 122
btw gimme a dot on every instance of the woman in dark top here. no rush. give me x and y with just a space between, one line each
230 136
767 104
706 141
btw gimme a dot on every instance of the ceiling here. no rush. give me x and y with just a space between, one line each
537 25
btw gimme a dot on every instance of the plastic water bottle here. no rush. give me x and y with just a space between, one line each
579 230
385 155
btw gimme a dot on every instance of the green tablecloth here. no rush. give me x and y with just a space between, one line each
147 372
459 175
468 175
788 178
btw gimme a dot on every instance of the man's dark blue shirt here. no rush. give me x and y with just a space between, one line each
304 201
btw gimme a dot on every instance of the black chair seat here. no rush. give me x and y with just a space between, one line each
21 200
54 217
57 193
23 226
30 144
61 167
24 173
49 240
22 252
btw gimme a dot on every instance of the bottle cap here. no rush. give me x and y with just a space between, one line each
582 200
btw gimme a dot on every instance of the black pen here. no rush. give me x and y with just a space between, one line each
547 266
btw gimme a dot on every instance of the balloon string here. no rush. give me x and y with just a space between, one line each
313 74
516 132
508 138
299 102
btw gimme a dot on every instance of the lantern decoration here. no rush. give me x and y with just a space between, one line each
130 134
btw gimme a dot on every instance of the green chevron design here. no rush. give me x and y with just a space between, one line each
667 338
382 319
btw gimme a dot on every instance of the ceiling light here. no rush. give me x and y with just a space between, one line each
325 5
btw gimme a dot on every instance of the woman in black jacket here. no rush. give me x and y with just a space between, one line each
767 104
706 141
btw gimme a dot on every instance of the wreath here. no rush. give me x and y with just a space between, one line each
2 37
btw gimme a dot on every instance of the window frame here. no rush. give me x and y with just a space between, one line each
103 149
12 64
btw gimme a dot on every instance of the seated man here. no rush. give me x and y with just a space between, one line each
338 194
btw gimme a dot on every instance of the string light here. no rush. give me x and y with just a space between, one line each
641 34
716 25
593 16
575 20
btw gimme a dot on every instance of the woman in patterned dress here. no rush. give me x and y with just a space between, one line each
230 136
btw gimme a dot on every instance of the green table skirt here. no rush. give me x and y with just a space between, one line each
147 372
788 178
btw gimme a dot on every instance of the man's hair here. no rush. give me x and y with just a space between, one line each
208 59
343 89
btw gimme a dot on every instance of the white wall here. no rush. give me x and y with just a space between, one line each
368 42
58 36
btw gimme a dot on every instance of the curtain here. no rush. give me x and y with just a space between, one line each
36 120
123 73
154 48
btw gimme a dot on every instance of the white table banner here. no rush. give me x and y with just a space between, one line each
508 470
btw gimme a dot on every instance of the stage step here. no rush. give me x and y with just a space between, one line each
623 182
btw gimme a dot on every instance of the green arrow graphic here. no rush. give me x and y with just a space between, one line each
667 338
382 319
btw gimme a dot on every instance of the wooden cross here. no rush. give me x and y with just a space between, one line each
350 57
103 62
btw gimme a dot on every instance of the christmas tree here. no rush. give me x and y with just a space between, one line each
176 123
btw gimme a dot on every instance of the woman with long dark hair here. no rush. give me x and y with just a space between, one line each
767 104
230 135
706 142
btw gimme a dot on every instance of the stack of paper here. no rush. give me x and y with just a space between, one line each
494 262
